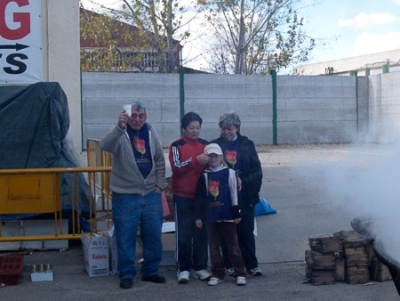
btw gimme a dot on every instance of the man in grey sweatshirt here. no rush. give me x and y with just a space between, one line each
137 180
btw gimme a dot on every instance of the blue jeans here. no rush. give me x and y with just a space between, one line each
192 248
128 210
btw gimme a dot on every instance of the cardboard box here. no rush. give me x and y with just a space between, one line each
112 243
96 254
168 241
41 272
42 276
168 236
102 223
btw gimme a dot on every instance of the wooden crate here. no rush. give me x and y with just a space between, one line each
357 274
357 265
318 260
340 269
356 256
321 277
353 239
326 244
378 271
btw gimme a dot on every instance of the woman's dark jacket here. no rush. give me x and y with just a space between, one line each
251 174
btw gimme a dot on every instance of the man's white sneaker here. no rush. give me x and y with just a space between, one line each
214 281
230 271
240 280
183 277
202 274
255 272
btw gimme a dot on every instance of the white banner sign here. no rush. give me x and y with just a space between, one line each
21 57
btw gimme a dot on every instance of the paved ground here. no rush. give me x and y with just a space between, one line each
294 184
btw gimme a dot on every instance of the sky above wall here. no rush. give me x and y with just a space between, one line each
343 28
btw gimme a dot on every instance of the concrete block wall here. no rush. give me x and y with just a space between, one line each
250 96
310 109
384 107
314 109
104 94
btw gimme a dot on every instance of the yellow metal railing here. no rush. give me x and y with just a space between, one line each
99 158
38 190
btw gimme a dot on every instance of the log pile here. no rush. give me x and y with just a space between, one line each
344 256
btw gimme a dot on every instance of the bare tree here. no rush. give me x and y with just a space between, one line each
256 36
159 24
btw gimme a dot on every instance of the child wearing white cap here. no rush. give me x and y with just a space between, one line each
217 209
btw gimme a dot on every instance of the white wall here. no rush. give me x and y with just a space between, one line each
61 56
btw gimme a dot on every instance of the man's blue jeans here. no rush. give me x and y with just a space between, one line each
128 210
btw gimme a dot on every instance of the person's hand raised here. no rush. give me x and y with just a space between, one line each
202 159
123 119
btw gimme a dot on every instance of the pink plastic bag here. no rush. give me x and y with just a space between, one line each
166 211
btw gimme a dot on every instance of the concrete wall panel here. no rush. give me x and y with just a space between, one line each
384 107
316 132
319 109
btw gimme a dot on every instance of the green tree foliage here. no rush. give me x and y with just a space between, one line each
256 36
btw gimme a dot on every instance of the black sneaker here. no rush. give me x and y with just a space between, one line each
125 283
155 278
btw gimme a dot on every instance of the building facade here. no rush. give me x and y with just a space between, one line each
108 44
363 65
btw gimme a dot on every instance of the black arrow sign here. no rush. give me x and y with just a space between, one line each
16 46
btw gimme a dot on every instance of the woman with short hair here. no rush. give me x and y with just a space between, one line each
187 159
241 155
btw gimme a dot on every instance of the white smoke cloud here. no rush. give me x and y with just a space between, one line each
370 188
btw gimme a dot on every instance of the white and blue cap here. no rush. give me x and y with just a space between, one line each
213 148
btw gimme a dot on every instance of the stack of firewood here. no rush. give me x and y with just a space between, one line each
344 256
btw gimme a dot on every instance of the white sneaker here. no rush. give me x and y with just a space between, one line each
230 271
183 277
240 280
214 281
202 274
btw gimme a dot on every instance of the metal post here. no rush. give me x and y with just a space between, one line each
181 94
274 109
385 68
